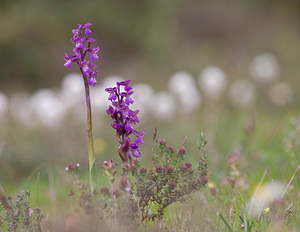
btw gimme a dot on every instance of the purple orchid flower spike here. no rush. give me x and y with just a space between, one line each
83 47
124 120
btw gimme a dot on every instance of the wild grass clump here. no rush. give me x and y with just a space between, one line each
16 215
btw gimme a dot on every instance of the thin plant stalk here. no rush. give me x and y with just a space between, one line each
291 180
92 170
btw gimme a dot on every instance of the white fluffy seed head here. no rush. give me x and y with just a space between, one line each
265 68
189 101
99 99
183 86
163 106
20 109
212 81
48 108
72 91
143 94
180 82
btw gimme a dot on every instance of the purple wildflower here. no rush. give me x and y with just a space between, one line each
172 184
81 49
143 170
108 165
190 170
133 168
105 191
162 142
169 169
159 169
72 167
116 193
124 120
188 164
182 168
181 150
204 179
187 167
170 148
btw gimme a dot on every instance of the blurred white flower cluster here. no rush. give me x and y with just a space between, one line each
264 195
183 96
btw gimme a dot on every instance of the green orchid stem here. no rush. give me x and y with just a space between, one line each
92 169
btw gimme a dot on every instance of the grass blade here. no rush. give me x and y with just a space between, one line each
226 223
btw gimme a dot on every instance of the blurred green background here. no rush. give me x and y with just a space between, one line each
149 41
145 40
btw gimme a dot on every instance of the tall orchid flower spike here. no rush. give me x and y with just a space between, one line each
124 120
82 43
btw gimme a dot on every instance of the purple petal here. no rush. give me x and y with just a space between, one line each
92 81
68 64
86 70
109 90
134 146
139 140
86 25
94 74
88 32
124 83
129 127
90 40
79 45
91 65
75 32
110 110
94 57
95 50
67 57
112 96
136 153
128 101
127 88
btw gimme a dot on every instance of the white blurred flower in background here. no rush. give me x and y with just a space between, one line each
3 105
72 90
163 106
110 81
99 100
48 108
265 194
212 81
142 96
242 93
190 101
265 68
180 82
183 86
280 94
20 109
